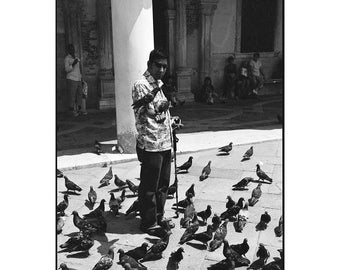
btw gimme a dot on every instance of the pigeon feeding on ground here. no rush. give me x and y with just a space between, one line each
232 212
255 195
60 224
189 214
70 185
82 243
92 196
184 203
114 204
133 208
61 207
248 154
262 175
155 251
203 237
205 172
125 259
98 147
242 185
279 229
119 182
132 186
219 236
191 190
96 212
105 262
172 189
263 253
105 181
186 166
232 255
242 218
75 240
264 220
175 258
242 248
230 202
190 230
138 252
82 224
226 149
205 214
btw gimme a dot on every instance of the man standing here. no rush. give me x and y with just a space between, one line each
154 142
74 81
256 73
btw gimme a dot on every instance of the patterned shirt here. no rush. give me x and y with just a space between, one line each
153 135
73 73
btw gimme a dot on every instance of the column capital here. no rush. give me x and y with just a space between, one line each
207 7
170 14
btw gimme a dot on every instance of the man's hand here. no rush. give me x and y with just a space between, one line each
75 62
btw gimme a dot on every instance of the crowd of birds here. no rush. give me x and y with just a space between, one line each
212 238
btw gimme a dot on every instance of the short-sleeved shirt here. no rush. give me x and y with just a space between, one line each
73 73
255 67
152 136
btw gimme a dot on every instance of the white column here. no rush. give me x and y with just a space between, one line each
278 28
132 26
171 15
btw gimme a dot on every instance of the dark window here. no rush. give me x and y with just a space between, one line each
258 25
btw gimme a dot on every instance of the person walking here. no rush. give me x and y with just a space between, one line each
153 146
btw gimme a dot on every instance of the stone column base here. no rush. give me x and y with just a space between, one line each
107 93
184 84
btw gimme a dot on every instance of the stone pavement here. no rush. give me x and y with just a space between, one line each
226 171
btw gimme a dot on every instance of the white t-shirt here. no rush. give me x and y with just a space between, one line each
255 67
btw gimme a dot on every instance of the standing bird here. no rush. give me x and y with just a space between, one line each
175 258
92 196
63 266
70 185
172 189
226 149
279 229
230 202
191 190
75 240
262 175
185 202
264 220
205 214
219 236
60 224
138 252
114 204
119 182
232 212
155 251
61 207
133 208
189 214
98 147
186 166
132 186
105 262
242 185
82 224
121 198
125 259
242 248
190 230
105 181
216 222
255 195
205 172
96 212
232 255
262 253
242 218
204 237
248 154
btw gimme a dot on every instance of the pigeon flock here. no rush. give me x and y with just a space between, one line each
212 237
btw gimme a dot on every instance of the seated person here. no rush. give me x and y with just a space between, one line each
243 82
170 93
256 73
230 78
208 91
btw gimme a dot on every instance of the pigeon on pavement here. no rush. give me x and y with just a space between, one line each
242 218
225 264
279 229
75 240
204 237
242 248
119 182
105 262
264 220
59 174
60 224
248 154
61 207
132 186
70 185
92 196
255 195
227 148
114 204
189 213
232 212
216 222
98 147
205 214
230 202
263 253
262 175
133 208
242 185
205 172
219 236
63 266
82 224
184 203
96 212
126 259
232 255
190 230
105 181
138 252
155 251
186 166
191 190
175 258
122 197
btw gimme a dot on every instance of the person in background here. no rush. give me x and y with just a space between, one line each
74 82
230 78
170 92
257 76
208 91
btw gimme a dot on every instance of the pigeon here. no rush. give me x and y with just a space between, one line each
96 212
155 251
262 175
114 204
122 197
61 207
98 147
186 166
241 185
105 181
151 257
84 244
279 229
232 255
92 196
242 248
172 189
242 218
132 186
248 154
225 264
119 182
204 237
255 195
75 240
189 213
63 266
205 214
205 172
59 174
82 224
60 224
226 149
264 220
190 230
191 190
230 203
70 185
138 252
232 212
216 222
125 259
184 203
219 236
99 222
105 262
133 208
263 253
175 258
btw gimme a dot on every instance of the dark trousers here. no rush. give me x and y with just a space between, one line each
153 188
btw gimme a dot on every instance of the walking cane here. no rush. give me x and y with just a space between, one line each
175 140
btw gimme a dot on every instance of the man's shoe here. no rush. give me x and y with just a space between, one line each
166 222
83 112
154 230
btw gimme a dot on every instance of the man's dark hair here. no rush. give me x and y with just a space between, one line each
156 54
256 54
